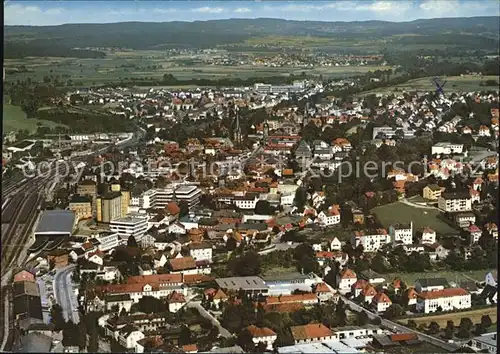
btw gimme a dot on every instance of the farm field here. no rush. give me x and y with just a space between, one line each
454 84
474 315
14 119
399 212
150 64
450 276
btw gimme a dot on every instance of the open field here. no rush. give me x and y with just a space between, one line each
474 315
450 276
154 64
402 213
454 84
14 119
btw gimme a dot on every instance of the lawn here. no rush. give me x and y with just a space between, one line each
111 68
450 276
453 84
421 217
474 315
14 119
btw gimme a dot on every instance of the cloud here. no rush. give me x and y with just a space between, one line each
209 10
17 14
163 11
385 6
242 10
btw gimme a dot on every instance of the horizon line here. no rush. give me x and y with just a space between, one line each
252 19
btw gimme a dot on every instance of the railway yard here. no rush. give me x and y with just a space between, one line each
21 206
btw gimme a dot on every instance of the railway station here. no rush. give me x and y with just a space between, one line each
55 223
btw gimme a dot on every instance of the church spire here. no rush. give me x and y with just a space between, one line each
237 128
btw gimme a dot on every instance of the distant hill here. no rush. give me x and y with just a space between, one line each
476 32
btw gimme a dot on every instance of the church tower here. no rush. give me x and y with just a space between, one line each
237 138
266 131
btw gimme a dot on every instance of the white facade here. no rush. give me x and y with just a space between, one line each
267 340
129 340
246 203
199 253
328 218
400 234
454 203
126 227
370 242
446 300
447 149
108 240
429 237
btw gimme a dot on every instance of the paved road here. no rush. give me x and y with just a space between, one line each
6 325
64 294
197 305
398 327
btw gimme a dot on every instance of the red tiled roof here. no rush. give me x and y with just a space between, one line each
381 297
347 274
175 297
399 337
155 279
310 331
429 295
290 298
258 332
183 263
173 208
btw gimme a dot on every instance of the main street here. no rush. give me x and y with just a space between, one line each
64 293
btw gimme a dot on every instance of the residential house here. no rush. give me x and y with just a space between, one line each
371 240
330 216
262 335
345 280
443 299
381 302
128 336
474 234
314 332
432 192
401 234
455 202
428 236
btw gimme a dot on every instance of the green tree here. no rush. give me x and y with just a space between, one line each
57 317
434 328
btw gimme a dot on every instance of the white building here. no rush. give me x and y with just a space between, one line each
129 336
128 226
428 236
330 217
400 233
262 335
200 251
455 202
444 148
444 300
247 201
381 302
346 279
107 240
188 193
371 240
486 341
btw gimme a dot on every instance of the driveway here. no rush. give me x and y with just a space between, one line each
222 331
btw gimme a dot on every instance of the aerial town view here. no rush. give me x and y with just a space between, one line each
250 176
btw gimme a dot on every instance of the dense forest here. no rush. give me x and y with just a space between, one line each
15 50
482 33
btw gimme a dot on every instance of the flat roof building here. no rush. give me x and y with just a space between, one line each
56 223
252 284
